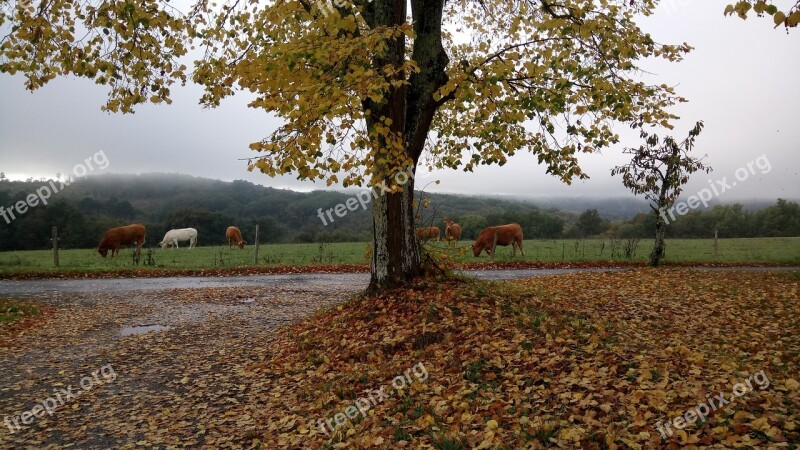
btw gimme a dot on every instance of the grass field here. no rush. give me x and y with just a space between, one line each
759 250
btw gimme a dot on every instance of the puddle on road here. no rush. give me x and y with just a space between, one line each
141 329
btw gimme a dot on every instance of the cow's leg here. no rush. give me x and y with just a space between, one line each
520 247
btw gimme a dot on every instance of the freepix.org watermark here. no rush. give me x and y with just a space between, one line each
712 404
375 396
364 198
42 194
49 405
715 189
672 5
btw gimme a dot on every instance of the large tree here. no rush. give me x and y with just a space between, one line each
369 89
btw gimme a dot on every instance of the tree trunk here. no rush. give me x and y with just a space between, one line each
658 246
395 255
411 107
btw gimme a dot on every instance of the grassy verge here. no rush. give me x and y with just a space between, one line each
12 310
578 361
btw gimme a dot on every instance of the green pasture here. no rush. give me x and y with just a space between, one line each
185 258
757 250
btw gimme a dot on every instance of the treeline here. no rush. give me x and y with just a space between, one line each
86 208
730 221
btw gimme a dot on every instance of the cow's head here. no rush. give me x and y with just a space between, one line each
476 250
241 244
103 251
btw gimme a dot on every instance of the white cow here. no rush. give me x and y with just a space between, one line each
184 234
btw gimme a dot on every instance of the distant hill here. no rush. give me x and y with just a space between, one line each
87 207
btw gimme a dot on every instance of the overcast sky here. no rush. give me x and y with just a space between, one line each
741 80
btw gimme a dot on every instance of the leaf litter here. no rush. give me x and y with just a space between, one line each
587 360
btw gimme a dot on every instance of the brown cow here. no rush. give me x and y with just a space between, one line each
115 237
452 231
428 233
506 234
234 238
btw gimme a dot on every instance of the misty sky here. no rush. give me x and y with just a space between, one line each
741 80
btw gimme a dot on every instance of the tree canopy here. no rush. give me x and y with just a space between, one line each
658 170
789 16
518 76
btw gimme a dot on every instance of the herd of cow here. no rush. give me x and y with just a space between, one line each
134 234
502 235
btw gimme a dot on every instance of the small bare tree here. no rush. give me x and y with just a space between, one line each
659 171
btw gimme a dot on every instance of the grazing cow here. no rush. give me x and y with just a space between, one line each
428 233
183 234
506 234
234 238
452 231
115 237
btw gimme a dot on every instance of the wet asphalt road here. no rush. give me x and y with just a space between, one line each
349 280
344 280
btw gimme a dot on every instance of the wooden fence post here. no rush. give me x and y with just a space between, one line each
716 245
256 257
55 246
